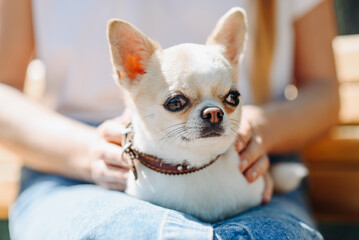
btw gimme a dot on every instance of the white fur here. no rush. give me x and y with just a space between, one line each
287 176
204 74
212 194
216 192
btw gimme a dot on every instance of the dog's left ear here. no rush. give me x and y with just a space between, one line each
231 33
131 50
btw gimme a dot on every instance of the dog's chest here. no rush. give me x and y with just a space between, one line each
211 194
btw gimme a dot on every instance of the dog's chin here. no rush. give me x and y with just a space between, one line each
208 136
209 139
211 135
211 131
212 143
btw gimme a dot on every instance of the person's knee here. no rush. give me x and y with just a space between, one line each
286 228
278 227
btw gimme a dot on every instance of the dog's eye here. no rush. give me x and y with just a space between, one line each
176 103
232 98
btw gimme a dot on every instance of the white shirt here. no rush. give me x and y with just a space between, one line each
71 39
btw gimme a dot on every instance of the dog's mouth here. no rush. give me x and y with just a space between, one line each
201 132
211 131
210 135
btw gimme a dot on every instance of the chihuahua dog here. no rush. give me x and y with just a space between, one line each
186 110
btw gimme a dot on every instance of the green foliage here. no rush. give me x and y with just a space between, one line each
4 230
347 12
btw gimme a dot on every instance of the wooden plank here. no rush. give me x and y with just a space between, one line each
341 145
334 193
346 55
333 163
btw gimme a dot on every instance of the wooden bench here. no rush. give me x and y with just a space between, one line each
333 161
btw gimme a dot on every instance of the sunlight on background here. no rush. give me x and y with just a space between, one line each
346 51
291 92
333 160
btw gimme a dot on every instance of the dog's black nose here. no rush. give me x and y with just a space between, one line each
212 114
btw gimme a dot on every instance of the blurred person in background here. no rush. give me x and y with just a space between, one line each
65 152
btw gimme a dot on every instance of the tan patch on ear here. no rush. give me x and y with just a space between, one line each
131 50
133 66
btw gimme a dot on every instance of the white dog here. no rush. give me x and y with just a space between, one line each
186 110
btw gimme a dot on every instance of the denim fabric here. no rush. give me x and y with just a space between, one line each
53 207
283 218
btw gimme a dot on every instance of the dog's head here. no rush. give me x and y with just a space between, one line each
186 95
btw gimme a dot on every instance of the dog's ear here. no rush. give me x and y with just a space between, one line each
231 33
130 49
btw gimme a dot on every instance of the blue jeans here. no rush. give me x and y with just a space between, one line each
53 207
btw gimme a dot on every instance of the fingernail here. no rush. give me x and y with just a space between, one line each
125 175
265 200
254 174
243 164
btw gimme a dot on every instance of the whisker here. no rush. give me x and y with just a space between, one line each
148 116
235 132
173 134
235 120
169 138
240 138
175 125
175 131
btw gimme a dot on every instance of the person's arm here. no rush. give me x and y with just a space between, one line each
285 126
46 140
16 41
294 124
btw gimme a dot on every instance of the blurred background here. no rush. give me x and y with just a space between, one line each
333 161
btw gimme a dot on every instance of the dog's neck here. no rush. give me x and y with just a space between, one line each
150 144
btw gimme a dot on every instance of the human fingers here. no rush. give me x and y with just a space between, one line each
111 154
112 130
109 176
268 188
253 151
257 169
244 135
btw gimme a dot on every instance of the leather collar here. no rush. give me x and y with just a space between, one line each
152 162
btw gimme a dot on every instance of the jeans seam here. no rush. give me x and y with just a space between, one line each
247 233
162 226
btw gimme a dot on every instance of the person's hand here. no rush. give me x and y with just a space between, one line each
107 168
252 150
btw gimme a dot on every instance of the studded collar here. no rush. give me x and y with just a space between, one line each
152 162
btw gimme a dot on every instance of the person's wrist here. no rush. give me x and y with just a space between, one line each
256 116
82 157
